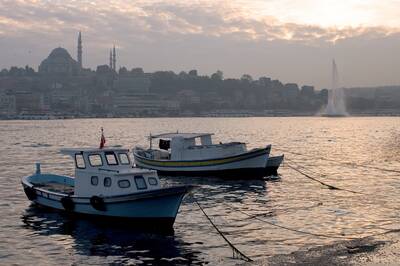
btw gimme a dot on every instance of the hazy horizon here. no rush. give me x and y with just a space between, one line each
293 41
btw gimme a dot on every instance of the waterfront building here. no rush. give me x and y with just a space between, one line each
307 91
7 104
27 102
143 104
132 84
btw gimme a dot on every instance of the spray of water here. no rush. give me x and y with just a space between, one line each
336 103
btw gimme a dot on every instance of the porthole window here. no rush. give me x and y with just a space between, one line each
94 180
107 182
124 183
152 181
140 182
79 161
124 158
95 160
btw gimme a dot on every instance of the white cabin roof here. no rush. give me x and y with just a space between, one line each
73 151
183 135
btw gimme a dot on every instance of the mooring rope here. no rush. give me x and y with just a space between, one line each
319 181
348 164
236 251
277 211
287 228
242 256
380 202
343 237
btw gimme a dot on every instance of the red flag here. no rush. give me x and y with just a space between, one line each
102 139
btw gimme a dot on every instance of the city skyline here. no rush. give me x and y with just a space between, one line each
253 37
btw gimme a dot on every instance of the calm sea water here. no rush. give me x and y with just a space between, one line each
34 236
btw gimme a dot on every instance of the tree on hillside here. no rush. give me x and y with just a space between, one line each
219 75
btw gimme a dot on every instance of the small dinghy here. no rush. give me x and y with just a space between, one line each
106 185
195 154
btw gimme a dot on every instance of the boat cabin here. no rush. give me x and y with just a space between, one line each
192 146
108 172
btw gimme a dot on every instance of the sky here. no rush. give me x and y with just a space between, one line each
289 40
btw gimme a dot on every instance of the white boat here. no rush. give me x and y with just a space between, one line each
195 154
106 185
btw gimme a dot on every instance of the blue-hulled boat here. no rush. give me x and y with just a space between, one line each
106 185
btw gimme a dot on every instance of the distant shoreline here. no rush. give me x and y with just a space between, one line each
68 117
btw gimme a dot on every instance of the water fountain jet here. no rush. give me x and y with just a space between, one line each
336 104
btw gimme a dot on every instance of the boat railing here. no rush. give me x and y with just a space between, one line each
223 145
109 170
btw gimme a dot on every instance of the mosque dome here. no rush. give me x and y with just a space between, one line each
60 53
59 61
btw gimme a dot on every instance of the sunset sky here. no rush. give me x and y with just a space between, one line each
293 41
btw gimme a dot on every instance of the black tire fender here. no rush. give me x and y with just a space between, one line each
97 203
67 203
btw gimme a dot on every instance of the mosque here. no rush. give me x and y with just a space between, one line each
60 62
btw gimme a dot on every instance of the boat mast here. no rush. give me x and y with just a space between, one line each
151 141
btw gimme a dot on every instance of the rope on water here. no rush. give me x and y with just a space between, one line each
310 233
348 164
287 228
380 202
319 181
236 252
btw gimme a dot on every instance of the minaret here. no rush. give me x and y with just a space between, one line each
80 50
114 59
111 60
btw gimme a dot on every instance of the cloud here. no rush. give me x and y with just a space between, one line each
233 36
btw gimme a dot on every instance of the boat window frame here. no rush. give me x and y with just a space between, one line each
92 178
124 180
115 157
83 160
150 182
141 178
104 181
127 156
95 154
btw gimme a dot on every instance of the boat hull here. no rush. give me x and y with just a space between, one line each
273 165
158 206
251 164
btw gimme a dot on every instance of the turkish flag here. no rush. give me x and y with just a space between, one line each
102 140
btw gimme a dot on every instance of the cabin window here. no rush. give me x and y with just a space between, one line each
140 182
152 181
124 183
111 158
124 158
95 160
79 161
107 182
94 180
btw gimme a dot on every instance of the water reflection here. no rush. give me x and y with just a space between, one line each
294 201
95 238
214 188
